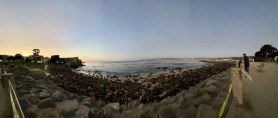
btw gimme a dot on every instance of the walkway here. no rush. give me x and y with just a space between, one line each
261 95
2 101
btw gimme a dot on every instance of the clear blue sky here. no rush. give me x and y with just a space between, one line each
138 29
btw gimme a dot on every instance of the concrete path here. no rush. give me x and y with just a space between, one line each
260 96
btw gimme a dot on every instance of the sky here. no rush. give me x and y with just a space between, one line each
110 30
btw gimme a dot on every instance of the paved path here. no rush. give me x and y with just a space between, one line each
260 96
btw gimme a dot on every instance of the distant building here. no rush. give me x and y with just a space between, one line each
72 62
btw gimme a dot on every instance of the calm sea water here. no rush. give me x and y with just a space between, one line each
140 66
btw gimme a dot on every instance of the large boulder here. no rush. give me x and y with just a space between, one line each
205 111
33 99
168 111
89 102
205 98
83 112
188 113
211 82
47 113
133 104
24 103
148 111
67 108
47 103
34 90
43 95
115 106
211 89
100 103
59 96
96 113
30 113
110 112
29 78
168 100
23 91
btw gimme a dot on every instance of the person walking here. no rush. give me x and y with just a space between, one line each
246 63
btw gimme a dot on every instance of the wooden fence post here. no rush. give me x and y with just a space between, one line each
237 85
6 96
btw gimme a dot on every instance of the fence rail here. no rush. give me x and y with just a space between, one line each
12 107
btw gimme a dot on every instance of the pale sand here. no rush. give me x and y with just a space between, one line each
260 96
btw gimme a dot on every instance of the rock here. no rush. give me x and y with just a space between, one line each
34 90
201 91
27 85
211 89
187 102
149 111
30 113
196 102
73 96
205 98
140 106
189 96
168 100
42 86
163 94
82 97
45 90
30 78
116 106
23 91
24 103
89 102
183 92
166 112
67 108
100 103
33 99
82 112
47 113
43 95
133 104
205 111
110 112
211 82
59 96
47 103
188 113
96 113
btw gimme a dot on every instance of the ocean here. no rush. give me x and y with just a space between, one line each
139 66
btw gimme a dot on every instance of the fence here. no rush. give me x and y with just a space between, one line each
237 75
12 106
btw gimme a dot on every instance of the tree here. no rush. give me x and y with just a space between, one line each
36 52
267 51
18 56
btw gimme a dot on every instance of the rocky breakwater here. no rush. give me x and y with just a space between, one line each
70 95
146 90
